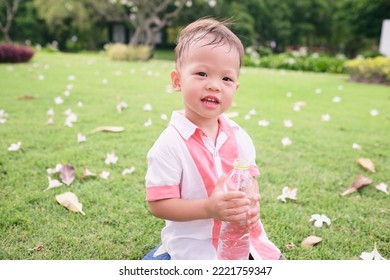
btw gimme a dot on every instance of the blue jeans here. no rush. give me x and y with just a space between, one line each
150 255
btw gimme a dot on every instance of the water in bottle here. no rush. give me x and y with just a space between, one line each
234 240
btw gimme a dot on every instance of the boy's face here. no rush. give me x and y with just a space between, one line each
207 78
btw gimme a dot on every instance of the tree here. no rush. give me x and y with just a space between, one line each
27 26
8 11
147 18
73 22
361 21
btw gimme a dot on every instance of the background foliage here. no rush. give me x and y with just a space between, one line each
347 26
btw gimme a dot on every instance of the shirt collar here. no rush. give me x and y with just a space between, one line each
186 128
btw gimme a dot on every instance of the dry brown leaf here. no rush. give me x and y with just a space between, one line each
39 247
367 164
67 174
70 201
310 241
26 97
290 246
109 129
87 173
359 182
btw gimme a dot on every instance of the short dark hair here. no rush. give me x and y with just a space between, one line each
199 29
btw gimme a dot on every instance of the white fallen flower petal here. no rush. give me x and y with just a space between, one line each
336 99
164 117
247 117
319 220
252 112
53 183
374 255
263 123
72 117
58 100
148 122
374 112
68 112
288 123
325 219
340 87
286 141
105 81
69 86
80 104
50 112
147 107
54 170
104 175
3 120
111 158
3 114
68 123
71 78
121 106
87 173
356 146
15 147
41 77
288 193
81 138
67 93
318 90
325 118
128 170
382 187
289 94
318 223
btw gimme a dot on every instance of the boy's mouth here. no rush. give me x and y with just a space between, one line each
210 99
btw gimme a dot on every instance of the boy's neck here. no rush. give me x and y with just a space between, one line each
209 127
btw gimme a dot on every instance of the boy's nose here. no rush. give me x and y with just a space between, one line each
214 86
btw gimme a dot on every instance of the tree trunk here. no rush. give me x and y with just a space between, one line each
11 11
152 19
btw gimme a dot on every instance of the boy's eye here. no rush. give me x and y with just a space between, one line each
227 79
202 74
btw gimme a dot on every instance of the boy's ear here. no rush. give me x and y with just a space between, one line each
237 85
175 79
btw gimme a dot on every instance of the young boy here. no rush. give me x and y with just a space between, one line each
186 165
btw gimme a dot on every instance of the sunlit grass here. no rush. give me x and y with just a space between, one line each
320 162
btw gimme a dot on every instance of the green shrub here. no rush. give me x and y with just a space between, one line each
296 61
369 70
119 51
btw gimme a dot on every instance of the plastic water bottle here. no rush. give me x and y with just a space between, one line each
234 238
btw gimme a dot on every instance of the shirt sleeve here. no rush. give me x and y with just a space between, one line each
164 171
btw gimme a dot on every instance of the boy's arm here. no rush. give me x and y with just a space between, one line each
225 206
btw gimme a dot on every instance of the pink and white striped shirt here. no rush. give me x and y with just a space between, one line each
185 163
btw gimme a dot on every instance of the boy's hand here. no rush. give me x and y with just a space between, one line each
253 214
231 206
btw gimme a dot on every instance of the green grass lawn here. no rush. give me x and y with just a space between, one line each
320 162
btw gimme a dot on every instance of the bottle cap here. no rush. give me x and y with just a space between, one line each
241 163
